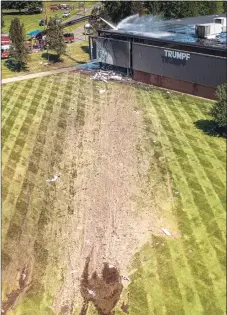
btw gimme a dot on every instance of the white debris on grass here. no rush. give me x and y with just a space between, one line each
111 266
105 76
102 91
91 292
166 232
57 175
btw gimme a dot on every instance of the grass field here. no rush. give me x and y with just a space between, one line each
76 53
132 160
31 22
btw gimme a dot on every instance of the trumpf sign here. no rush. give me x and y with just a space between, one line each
176 54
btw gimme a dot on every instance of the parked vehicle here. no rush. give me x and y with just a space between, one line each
64 7
5 51
66 14
69 37
42 22
54 7
5 39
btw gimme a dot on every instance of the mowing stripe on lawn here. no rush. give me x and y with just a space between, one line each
26 114
157 108
13 151
222 256
33 134
19 140
10 121
211 141
209 189
21 205
20 171
9 98
197 196
195 186
183 110
49 198
182 264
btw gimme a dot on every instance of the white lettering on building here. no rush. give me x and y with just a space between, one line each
176 54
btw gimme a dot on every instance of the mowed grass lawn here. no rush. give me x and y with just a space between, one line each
76 53
31 22
185 275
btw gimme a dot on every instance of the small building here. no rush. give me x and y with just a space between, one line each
168 54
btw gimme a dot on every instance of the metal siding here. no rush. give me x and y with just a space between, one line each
201 69
113 52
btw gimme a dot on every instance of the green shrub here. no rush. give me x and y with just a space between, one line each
219 109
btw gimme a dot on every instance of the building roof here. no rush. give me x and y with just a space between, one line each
180 30
198 19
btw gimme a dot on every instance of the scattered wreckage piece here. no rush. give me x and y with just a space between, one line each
104 75
57 175
166 232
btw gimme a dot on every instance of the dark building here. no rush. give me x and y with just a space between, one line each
182 63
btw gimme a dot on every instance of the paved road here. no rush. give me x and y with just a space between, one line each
37 75
78 34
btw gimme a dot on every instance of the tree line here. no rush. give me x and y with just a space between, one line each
20 5
118 10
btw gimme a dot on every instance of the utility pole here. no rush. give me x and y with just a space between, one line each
84 22
45 25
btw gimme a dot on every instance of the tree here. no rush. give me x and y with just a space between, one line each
225 7
18 52
97 12
55 37
2 21
6 5
32 5
118 10
219 109
20 5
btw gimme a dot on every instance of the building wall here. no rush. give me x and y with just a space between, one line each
184 71
176 85
195 68
113 52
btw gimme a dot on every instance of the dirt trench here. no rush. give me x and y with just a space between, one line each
111 181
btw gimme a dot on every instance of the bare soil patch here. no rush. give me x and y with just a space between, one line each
110 181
